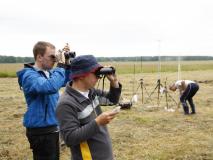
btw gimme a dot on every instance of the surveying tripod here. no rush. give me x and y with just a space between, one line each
165 90
158 86
167 94
142 87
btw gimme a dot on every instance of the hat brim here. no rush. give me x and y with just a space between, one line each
91 70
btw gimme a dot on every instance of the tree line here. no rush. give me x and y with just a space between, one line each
12 59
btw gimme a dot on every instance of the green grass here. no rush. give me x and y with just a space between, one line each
9 70
6 74
152 67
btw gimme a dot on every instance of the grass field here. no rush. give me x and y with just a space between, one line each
144 132
9 70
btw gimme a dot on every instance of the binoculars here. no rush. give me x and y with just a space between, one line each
105 71
69 56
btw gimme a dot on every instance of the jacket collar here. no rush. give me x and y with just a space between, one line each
75 93
31 65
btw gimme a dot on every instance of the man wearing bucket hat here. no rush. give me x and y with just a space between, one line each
81 120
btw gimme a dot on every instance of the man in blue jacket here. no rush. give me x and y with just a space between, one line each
40 84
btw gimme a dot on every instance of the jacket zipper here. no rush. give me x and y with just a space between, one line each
45 112
91 101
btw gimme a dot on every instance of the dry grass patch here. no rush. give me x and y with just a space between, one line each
136 134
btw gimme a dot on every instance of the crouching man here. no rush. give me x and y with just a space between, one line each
82 123
187 89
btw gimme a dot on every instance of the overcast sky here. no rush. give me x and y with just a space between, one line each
108 28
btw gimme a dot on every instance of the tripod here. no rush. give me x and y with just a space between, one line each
167 94
158 86
141 85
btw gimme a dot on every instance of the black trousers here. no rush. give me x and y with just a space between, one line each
44 147
190 91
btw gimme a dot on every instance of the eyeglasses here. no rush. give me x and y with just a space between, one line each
52 56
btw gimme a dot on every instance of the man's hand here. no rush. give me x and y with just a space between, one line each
178 106
113 80
60 57
105 117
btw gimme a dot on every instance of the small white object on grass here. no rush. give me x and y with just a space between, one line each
162 90
135 98
169 109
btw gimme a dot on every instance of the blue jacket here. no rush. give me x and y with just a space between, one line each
41 94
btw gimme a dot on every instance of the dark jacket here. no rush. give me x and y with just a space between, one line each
76 115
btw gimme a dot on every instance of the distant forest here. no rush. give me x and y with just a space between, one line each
12 59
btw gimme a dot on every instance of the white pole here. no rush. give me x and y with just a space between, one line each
159 59
133 88
179 68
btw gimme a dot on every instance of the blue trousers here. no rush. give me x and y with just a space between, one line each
187 95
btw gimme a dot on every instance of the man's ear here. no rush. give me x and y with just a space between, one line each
39 57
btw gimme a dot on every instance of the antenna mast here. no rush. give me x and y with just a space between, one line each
159 59
179 68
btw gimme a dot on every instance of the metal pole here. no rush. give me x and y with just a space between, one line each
179 68
134 80
158 83
141 90
167 106
159 59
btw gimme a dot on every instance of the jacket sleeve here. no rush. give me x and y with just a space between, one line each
71 130
111 97
33 83
67 72
67 77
